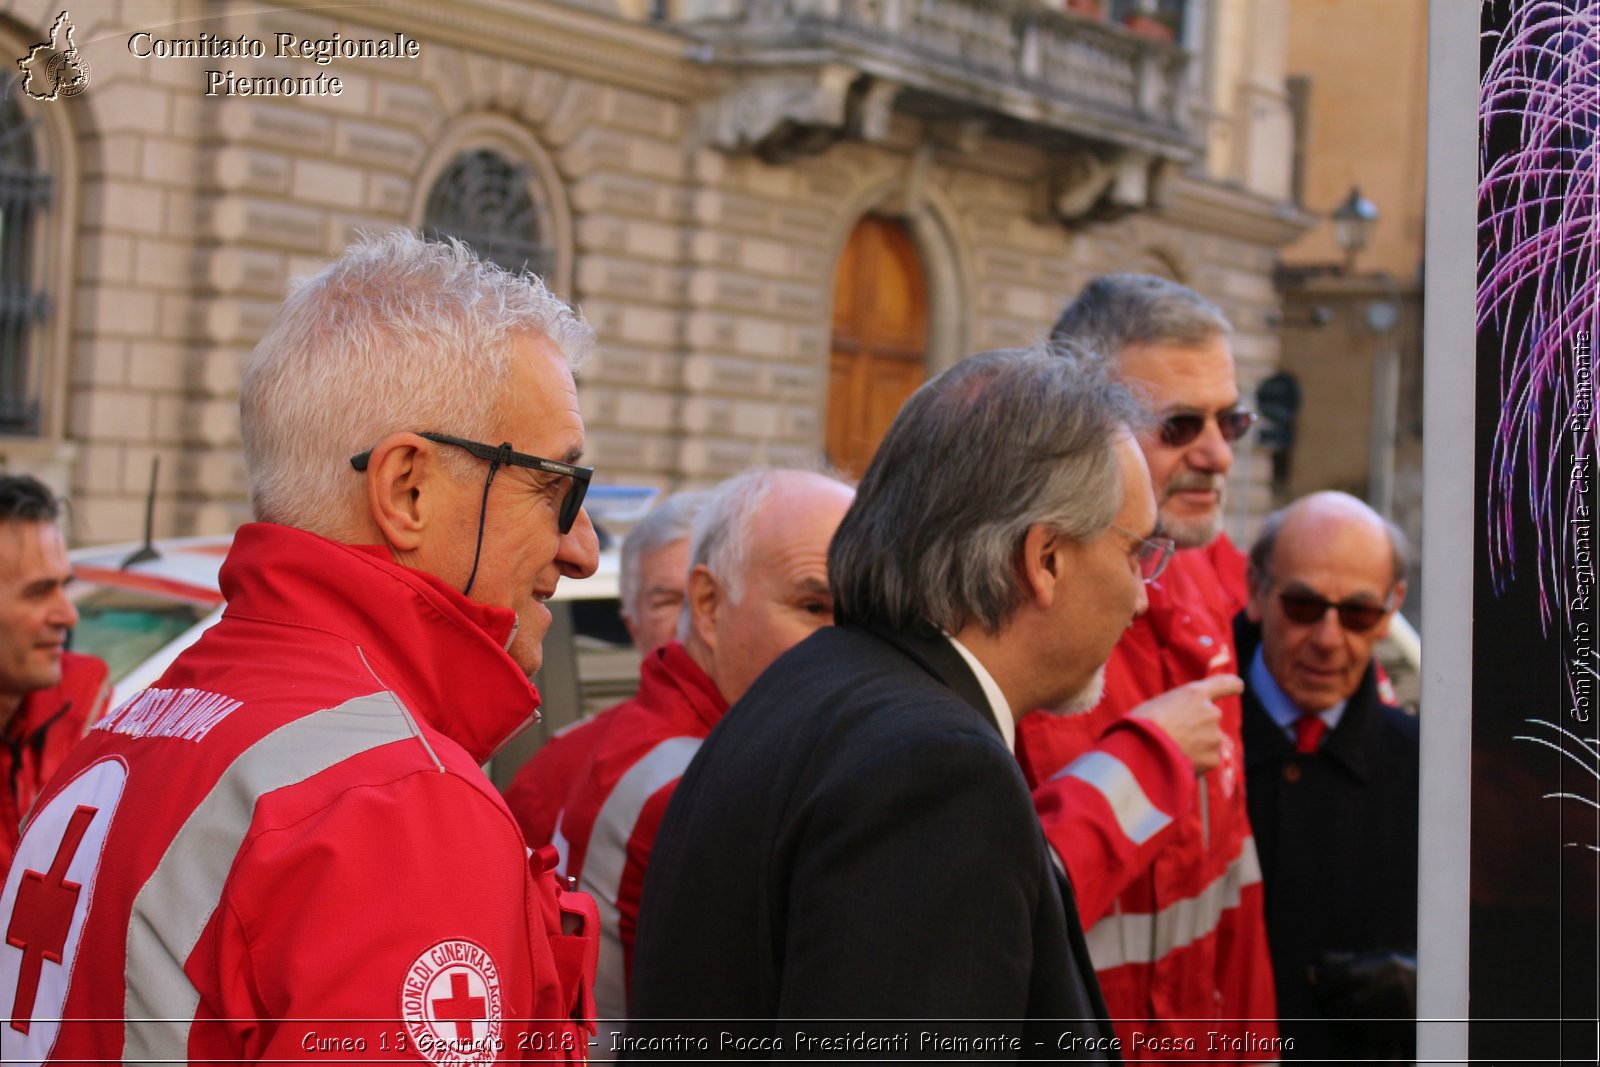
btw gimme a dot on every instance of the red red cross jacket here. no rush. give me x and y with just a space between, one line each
615 808
285 849
1166 874
39 736
539 791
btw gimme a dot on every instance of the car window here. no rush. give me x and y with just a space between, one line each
125 627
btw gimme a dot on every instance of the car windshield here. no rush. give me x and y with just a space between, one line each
125 627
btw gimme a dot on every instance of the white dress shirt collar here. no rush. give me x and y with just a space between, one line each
991 689
1277 702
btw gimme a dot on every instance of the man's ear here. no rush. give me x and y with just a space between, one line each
400 472
630 625
1255 607
1399 600
704 599
1044 557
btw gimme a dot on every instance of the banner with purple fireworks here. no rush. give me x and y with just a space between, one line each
1535 949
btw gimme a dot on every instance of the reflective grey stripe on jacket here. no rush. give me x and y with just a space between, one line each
1128 937
1139 819
607 859
177 901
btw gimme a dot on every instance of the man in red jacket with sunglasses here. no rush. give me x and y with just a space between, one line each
1143 798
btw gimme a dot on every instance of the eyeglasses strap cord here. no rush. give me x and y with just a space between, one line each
502 456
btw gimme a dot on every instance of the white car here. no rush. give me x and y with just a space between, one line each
139 616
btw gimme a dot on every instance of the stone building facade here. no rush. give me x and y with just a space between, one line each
691 173
1352 326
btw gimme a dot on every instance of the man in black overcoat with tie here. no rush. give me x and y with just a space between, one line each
1331 779
851 867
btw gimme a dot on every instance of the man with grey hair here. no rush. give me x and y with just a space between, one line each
286 845
757 585
653 572
855 840
655 569
1143 799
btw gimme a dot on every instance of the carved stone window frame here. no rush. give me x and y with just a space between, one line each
54 256
518 144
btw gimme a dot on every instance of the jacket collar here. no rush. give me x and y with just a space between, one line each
1349 744
669 678
928 649
444 655
82 684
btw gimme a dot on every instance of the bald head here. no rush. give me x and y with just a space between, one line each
758 581
1328 551
1317 514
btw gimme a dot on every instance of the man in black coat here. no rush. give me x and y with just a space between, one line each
1331 778
851 866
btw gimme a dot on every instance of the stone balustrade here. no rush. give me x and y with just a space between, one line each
1011 58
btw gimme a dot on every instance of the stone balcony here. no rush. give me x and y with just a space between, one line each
806 72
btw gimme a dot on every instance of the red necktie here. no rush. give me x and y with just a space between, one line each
1308 731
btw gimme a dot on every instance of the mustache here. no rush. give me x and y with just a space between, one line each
1192 481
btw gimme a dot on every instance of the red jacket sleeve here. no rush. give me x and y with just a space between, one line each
538 792
1106 811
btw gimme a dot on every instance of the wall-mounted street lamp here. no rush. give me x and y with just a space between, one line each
1353 221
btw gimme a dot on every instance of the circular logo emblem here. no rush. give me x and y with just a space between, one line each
67 74
450 1001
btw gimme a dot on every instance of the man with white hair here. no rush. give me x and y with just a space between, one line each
654 570
1144 799
286 847
758 585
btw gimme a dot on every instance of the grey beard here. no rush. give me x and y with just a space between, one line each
1086 698
1193 533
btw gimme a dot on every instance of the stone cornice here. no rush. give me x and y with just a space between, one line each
610 49
1206 205
1354 284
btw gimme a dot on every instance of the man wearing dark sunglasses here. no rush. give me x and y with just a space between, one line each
1169 888
288 841
1332 777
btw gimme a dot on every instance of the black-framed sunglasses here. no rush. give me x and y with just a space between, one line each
504 455
1178 430
1356 616
1154 554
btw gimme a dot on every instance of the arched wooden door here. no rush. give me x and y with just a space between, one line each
880 338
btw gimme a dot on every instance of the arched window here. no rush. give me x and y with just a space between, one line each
25 195
496 206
